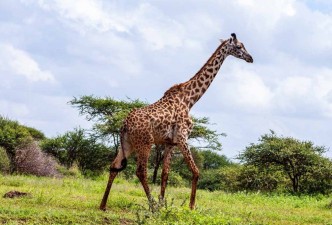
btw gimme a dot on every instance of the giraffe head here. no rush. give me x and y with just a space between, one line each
237 49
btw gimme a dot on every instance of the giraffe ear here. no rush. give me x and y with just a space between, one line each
221 40
233 38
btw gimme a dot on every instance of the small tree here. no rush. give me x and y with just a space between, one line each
76 147
65 147
29 159
297 159
12 135
92 158
212 160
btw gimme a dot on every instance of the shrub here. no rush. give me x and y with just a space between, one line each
251 178
4 161
174 179
319 180
225 179
29 159
92 158
296 159
12 135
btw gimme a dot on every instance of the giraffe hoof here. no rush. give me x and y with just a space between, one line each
102 208
162 201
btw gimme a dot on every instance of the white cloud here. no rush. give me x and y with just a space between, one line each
87 13
19 62
12 109
305 96
245 90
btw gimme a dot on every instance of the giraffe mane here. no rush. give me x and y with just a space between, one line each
174 89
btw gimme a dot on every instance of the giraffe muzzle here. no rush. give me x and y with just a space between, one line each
249 59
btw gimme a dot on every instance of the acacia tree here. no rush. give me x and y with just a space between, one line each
299 160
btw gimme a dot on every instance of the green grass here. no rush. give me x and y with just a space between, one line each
76 201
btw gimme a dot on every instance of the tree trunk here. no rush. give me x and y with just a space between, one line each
155 173
157 162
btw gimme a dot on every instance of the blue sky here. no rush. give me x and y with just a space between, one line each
53 50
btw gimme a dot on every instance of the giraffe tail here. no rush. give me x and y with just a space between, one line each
123 166
122 153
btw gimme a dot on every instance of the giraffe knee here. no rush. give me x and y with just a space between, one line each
140 171
195 173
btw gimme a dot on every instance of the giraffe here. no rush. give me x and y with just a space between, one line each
168 122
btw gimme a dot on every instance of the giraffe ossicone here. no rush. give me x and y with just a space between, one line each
168 122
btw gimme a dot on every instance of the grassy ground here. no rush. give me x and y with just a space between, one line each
75 201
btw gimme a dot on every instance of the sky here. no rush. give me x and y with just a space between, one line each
54 50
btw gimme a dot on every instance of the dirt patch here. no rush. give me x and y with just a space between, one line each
15 194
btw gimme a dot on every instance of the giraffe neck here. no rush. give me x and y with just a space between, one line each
199 83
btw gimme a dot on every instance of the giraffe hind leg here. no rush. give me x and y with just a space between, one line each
191 163
107 191
165 171
143 153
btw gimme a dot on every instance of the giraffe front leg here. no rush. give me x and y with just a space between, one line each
165 171
190 161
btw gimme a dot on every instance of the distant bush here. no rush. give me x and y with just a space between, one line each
251 178
225 178
12 135
29 159
174 179
300 162
92 158
4 161
78 148
320 179
72 172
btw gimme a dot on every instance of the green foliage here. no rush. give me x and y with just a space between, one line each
174 179
320 179
56 147
13 135
92 158
225 179
4 161
35 134
298 160
213 160
76 147
179 165
250 178
202 133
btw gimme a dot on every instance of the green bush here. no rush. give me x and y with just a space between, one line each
76 147
319 181
4 161
252 179
12 135
92 158
174 178
225 179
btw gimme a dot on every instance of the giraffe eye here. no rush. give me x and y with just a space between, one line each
238 47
